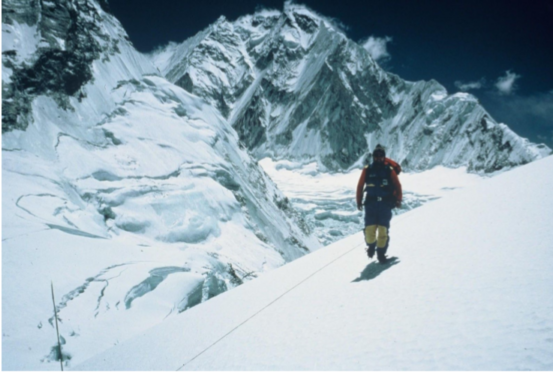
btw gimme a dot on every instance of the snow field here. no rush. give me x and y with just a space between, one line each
468 288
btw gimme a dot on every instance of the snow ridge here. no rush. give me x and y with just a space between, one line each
478 292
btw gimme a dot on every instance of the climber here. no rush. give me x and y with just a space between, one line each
382 189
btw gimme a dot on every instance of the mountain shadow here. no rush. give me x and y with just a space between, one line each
374 269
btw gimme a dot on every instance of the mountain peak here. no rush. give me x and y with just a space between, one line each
308 19
286 79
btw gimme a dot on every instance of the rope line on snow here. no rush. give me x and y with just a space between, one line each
266 306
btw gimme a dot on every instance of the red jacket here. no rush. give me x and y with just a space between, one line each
398 194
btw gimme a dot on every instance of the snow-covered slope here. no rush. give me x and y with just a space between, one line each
296 88
468 288
117 185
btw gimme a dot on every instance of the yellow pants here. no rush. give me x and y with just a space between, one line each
378 234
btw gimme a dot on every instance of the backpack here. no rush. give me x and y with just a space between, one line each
378 183
395 166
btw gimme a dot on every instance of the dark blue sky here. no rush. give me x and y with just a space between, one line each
469 44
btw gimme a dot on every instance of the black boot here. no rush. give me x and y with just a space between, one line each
381 255
371 249
387 244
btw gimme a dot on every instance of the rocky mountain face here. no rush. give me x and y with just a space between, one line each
50 50
295 87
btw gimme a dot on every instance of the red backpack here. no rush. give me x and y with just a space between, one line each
395 166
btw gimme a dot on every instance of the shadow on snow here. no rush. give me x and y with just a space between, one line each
374 269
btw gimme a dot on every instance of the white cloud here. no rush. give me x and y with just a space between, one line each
546 138
538 105
506 84
377 47
471 85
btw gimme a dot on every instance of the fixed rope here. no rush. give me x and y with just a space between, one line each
266 306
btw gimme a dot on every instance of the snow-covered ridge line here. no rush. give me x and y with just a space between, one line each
296 88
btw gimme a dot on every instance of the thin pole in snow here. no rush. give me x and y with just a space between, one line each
57 328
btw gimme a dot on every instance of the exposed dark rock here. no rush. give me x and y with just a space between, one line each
250 126
9 53
105 6
54 71
305 23
186 83
59 71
